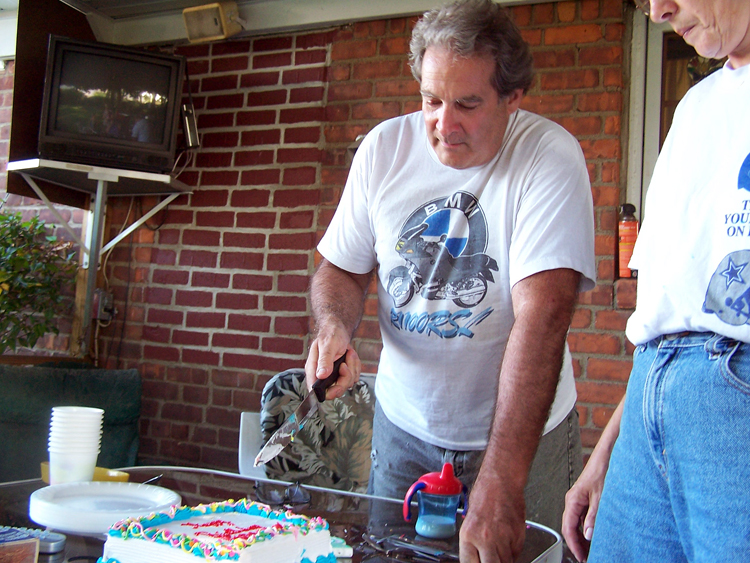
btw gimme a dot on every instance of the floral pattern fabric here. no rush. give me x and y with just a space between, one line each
333 448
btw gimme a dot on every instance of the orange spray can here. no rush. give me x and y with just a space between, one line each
627 231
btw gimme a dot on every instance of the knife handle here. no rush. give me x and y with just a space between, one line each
320 386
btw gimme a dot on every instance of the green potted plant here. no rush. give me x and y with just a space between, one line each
35 270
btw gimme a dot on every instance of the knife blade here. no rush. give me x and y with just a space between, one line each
292 425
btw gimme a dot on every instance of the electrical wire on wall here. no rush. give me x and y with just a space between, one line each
99 322
138 204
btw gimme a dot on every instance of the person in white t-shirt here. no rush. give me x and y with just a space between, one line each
676 453
477 219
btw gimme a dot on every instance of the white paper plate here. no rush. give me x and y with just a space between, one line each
92 507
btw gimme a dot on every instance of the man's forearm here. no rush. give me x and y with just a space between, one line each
337 298
530 372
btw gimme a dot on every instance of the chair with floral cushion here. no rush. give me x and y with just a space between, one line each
333 448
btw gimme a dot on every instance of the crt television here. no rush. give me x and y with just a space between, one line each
111 106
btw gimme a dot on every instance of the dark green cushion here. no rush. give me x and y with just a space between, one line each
26 399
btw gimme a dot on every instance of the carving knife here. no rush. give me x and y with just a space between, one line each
292 425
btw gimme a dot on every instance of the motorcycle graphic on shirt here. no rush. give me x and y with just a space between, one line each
443 245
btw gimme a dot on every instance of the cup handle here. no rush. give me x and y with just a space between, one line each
418 486
465 499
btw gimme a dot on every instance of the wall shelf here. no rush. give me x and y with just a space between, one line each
100 183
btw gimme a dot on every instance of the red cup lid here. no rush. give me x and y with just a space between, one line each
442 483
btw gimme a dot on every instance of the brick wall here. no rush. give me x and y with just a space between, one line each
212 295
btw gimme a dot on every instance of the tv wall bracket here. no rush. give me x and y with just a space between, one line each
101 183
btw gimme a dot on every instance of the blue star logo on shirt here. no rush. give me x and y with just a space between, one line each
732 273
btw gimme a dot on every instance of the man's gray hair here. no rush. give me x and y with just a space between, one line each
469 27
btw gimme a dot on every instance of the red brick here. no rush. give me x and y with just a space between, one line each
260 137
295 241
600 393
201 357
194 299
163 257
574 34
313 56
230 47
295 198
594 343
236 301
608 370
210 279
230 64
306 95
190 338
260 177
161 353
249 323
156 334
272 61
198 258
256 117
282 345
566 11
600 56
244 240
226 82
267 98
225 178
158 295
290 326
285 303
301 115
253 158
349 91
201 238
214 160
303 176
170 277
303 75
241 260
250 198
570 79
302 135
214 219
626 293
160 316
225 101
205 320
228 340
272 44
250 282
256 79
342 50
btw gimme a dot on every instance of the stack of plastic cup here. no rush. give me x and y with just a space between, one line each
75 436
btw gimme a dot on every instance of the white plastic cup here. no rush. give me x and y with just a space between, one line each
75 429
77 411
68 466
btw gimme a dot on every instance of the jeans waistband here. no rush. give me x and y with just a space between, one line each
687 334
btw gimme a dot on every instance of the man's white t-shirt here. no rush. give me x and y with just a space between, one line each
693 251
448 246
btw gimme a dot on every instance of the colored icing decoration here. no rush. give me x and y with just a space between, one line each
242 531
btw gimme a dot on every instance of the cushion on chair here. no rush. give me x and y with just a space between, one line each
26 401
333 449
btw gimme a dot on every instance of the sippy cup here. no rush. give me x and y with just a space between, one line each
438 496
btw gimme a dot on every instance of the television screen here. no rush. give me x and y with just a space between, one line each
110 105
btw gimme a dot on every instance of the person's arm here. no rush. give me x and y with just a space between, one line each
494 529
337 301
582 500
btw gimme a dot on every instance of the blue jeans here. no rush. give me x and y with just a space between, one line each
399 459
678 485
